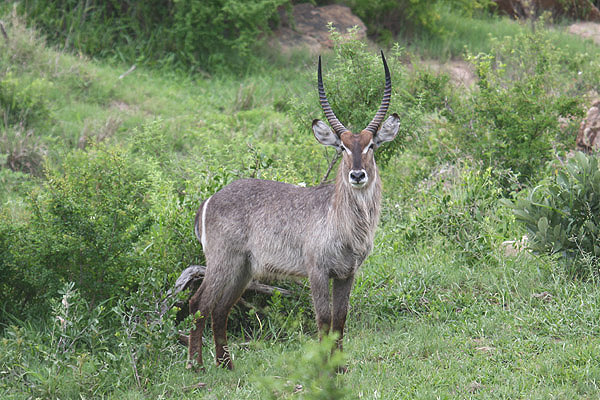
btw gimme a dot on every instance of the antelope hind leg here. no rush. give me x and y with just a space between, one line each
231 294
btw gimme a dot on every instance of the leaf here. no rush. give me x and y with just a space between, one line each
543 225
562 179
590 226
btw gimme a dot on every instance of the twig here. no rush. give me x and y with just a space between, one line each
130 70
194 273
135 370
331 164
3 31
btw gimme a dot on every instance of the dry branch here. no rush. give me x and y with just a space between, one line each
3 31
331 164
195 273
130 70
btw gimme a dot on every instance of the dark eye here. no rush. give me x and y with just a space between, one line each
372 146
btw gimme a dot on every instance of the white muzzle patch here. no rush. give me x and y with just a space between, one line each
358 178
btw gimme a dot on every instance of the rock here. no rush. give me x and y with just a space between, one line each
582 9
461 73
512 8
587 30
308 27
512 248
588 139
474 387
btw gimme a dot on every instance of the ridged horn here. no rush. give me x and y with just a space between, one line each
331 118
373 126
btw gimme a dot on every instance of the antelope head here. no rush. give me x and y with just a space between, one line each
358 164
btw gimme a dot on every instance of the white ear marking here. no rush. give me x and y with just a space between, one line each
324 134
388 131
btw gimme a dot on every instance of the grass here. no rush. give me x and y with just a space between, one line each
455 36
435 312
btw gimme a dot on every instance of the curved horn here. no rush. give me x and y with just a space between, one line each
373 126
331 118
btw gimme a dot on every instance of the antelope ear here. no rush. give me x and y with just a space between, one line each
388 130
325 135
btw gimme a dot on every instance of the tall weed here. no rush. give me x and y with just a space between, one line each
82 348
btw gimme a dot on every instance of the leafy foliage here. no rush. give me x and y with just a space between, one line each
74 354
313 375
386 18
89 216
562 214
196 34
512 122
354 86
460 204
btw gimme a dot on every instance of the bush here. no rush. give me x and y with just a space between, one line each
513 120
88 218
354 84
200 34
562 215
102 220
386 18
458 202
17 285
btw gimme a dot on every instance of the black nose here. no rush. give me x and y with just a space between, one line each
357 176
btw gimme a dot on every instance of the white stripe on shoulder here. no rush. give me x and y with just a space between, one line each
203 236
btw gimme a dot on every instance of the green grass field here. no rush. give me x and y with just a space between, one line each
440 310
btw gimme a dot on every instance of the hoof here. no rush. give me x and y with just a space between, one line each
225 363
342 369
194 366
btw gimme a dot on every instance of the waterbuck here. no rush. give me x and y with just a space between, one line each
255 228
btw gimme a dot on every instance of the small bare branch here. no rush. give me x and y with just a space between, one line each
331 164
130 70
195 273
3 31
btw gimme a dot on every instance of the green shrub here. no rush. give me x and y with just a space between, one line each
88 218
354 83
101 219
19 286
427 90
386 18
458 202
216 32
513 120
562 215
22 102
199 34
